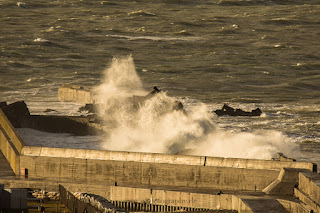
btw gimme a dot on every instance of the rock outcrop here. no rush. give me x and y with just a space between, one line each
16 112
20 117
227 110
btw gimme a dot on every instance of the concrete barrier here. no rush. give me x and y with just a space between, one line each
11 143
309 184
171 198
285 183
165 158
142 173
295 206
11 132
76 94
307 200
259 164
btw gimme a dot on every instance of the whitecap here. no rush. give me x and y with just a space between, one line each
40 40
156 38
21 4
141 13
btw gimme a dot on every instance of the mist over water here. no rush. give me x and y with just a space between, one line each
155 127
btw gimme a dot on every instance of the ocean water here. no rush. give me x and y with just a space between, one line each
246 53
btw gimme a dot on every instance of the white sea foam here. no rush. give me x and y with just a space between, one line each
155 38
22 4
154 127
40 40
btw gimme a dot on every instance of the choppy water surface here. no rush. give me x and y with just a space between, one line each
246 53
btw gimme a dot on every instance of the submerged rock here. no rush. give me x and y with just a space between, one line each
227 110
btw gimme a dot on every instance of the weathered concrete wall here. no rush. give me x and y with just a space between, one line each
165 158
309 184
10 143
139 195
285 183
307 200
259 164
171 198
295 207
150 174
75 93
11 132
9 152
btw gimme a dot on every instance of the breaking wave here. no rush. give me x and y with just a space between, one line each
154 127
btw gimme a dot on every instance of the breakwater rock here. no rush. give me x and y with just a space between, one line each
227 110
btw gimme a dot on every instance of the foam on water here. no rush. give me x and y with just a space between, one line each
156 38
154 127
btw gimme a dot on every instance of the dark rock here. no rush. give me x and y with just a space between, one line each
153 92
256 112
227 110
3 104
49 110
91 108
178 106
138 101
16 112
63 124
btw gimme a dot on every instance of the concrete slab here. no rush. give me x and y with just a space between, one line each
263 205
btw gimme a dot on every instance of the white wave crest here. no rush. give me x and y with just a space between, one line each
155 127
156 38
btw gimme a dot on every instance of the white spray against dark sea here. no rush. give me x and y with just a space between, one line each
155 128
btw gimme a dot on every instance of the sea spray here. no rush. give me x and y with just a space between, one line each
154 126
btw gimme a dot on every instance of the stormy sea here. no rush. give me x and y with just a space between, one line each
245 53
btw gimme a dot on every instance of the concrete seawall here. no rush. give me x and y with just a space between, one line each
151 174
166 158
309 189
11 143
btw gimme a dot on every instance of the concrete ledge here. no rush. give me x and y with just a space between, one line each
163 158
11 143
140 195
76 94
171 198
150 174
11 132
309 184
259 164
260 204
294 207
112 155
284 184
306 200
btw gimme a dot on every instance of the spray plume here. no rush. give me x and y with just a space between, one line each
154 127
